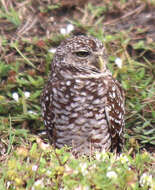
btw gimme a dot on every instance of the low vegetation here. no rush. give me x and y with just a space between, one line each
27 45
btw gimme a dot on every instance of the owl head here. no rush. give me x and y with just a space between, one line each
82 53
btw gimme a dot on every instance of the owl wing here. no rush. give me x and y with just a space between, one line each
114 110
46 105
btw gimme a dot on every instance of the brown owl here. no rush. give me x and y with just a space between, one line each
82 104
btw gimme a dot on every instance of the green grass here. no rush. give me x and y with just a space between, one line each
25 160
48 169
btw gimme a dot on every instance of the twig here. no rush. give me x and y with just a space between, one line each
138 10
27 26
25 58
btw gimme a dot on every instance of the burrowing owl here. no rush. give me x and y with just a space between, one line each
82 104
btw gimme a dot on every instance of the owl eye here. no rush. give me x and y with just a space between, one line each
82 53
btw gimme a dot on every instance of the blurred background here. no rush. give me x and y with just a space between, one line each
30 31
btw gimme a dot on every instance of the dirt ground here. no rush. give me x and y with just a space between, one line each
37 19
44 19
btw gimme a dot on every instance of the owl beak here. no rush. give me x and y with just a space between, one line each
101 63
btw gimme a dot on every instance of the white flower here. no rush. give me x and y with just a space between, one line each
48 172
123 158
118 62
32 112
83 167
80 187
27 94
69 28
101 155
68 169
39 182
34 168
15 96
43 133
112 175
63 31
146 179
52 50
8 184
98 156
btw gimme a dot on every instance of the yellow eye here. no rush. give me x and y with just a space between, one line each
82 53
